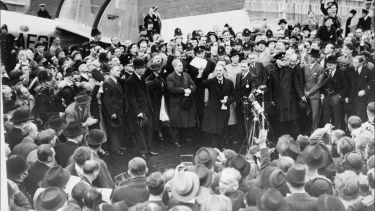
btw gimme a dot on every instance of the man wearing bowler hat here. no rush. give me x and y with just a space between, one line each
334 91
314 79
115 106
20 118
79 111
74 134
140 109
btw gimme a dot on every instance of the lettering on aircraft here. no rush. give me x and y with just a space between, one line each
29 40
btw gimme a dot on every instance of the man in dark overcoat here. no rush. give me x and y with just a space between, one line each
115 106
182 109
284 94
216 112
140 109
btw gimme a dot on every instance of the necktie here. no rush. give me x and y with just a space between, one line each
357 70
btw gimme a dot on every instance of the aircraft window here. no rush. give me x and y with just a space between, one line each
81 11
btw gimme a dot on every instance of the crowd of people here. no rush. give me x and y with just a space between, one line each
65 108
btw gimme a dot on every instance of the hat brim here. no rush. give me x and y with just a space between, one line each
192 193
84 102
62 183
22 120
47 126
38 204
92 142
72 135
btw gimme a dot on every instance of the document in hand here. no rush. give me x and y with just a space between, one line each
198 63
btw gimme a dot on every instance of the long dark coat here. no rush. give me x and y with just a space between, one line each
157 86
215 119
284 93
176 85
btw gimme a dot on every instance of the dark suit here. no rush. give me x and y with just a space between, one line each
260 73
285 93
360 82
36 174
327 35
64 151
114 102
244 86
133 192
335 90
140 102
314 78
215 119
302 202
14 137
364 24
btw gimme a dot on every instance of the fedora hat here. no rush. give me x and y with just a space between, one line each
82 98
56 176
55 122
155 66
278 181
319 186
273 200
314 53
185 186
316 156
138 63
207 156
204 174
296 174
51 199
95 137
239 163
234 52
282 21
21 115
15 164
331 60
73 129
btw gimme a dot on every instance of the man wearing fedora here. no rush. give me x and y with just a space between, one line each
314 79
79 111
19 119
334 91
57 124
185 187
115 106
140 109
74 134
299 199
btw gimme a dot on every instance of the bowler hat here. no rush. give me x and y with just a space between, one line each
82 98
95 137
279 55
282 21
314 53
306 28
264 42
73 129
364 11
273 200
316 156
56 176
239 163
10 105
206 156
94 32
331 60
246 32
319 186
296 174
52 198
138 63
4 26
234 52
21 115
55 122
204 174
221 50
177 32
185 186
15 164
